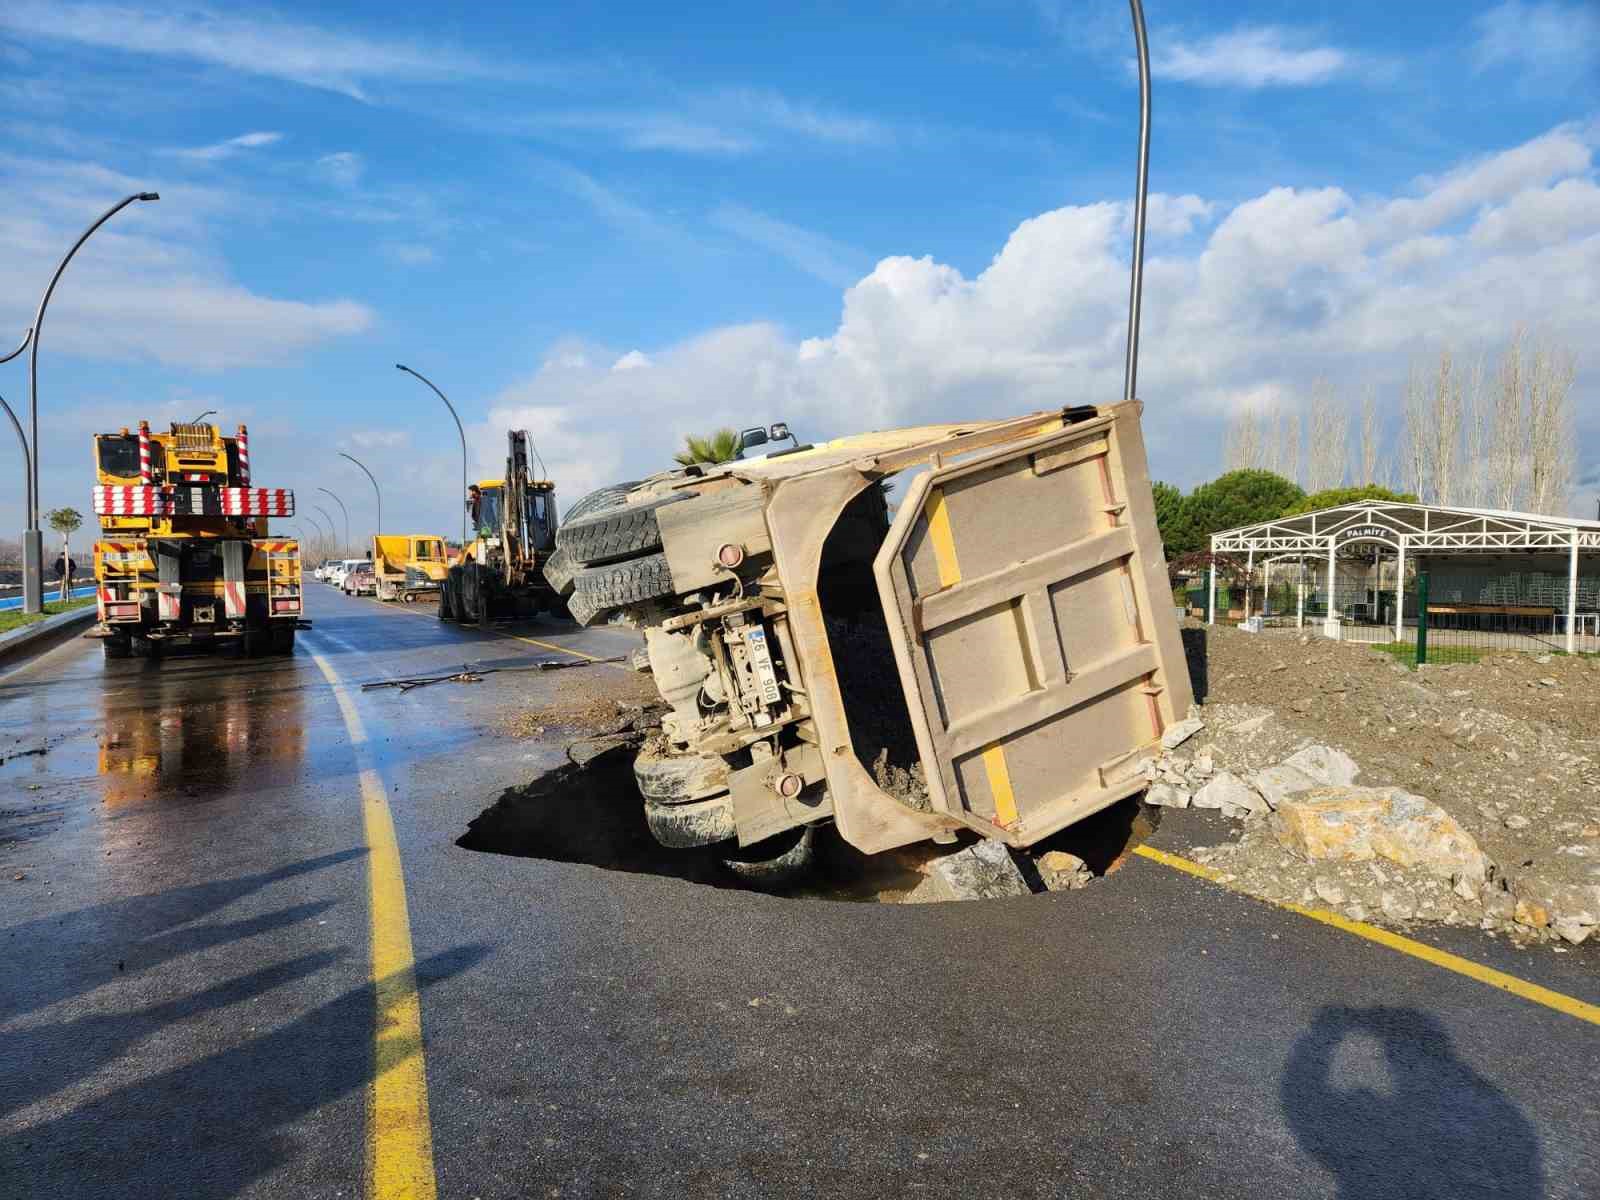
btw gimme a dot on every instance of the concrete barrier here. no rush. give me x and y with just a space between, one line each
35 638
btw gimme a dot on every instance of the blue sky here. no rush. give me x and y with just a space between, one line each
617 224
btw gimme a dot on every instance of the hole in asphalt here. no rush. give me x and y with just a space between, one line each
590 812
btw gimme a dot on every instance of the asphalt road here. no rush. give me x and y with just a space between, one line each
187 1002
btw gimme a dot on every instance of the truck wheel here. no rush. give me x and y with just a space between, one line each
144 647
600 591
117 647
283 639
606 497
614 533
559 572
779 860
444 599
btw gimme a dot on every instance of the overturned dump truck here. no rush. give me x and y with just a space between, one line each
906 633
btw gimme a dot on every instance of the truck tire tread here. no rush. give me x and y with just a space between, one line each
600 591
613 534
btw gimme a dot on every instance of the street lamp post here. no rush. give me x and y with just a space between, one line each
32 537
315 524
333 528
22 441
342 509
376 489
459 430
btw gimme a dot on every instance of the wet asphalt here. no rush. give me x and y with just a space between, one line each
186 1008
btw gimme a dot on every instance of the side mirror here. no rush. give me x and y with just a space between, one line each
779 432
752 437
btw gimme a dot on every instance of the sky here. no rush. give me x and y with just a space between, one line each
615 225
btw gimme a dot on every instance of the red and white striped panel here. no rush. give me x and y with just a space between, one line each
257 502
243 444
112 500
233 601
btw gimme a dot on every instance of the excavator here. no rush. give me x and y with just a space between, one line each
501 572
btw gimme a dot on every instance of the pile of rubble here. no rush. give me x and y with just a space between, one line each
1312 834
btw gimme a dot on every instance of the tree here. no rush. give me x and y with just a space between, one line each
1329 446
1505 429
719 447
65 521
1237 498
1549 424
1171 520
1242 447
1333 497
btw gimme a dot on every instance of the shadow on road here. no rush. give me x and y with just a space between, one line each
1380 1099
67 954
207 1129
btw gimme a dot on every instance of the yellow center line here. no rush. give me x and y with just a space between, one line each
1558 1001
399 1136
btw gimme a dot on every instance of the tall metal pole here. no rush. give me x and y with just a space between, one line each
1130 373
315 524
459 430
32 538
344 510
333 528
375 487
22 441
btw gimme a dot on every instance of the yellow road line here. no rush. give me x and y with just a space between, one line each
399 1136
1562 1003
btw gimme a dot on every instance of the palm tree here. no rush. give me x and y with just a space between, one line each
720 447
65 521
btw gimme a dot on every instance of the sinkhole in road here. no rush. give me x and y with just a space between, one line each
588 811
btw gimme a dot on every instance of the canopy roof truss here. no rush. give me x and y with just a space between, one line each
1419 527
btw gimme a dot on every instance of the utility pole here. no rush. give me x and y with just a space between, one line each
375 488
342 509
459 430
32 537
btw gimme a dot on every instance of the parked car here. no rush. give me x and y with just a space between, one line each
340 567
360 581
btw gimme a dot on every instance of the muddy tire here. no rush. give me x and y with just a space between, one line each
444 600
600 591
686 826
777 861
601 498
560 571
615 533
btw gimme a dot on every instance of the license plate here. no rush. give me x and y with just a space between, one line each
755 641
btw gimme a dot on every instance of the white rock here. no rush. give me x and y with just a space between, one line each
1232 795
1274 783
1250 725
1397 906
982 872
1327 890
1517 821
1325 765
1571 930
1064 872
1164 795
1177 735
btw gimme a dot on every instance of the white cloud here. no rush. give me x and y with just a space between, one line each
1172 216
411 254
633 360
267 46
808 120
1251 56
818 256
1557 41
227 149
343 168
1289 286
147 285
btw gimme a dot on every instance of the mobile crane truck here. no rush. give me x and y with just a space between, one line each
185 555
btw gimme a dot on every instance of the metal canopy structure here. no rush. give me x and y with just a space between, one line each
1409 529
